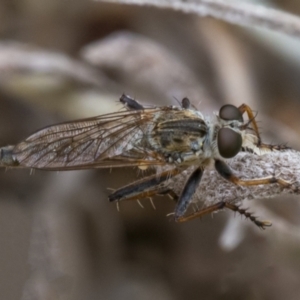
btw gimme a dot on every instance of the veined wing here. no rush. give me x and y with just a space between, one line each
111 140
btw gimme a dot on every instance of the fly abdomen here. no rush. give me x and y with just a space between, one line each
7 158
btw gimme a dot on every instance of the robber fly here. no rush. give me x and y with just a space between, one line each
174 137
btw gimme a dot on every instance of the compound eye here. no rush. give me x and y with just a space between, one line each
229 112
229 142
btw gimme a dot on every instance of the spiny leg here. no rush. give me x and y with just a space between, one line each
220 205
245 108
224 170
261 224
145 187
188 191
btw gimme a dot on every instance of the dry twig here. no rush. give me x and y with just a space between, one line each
235 12
213 188
17 57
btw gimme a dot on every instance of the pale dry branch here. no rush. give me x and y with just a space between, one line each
235 12
18 57
213 188
147 65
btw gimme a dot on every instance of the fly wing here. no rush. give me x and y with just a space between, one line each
111 140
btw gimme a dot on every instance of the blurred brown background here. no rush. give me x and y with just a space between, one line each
60 238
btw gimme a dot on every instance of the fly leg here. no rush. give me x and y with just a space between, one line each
224 170
187 193
244 108
145 188
223 204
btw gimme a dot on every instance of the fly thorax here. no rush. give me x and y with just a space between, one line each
180 138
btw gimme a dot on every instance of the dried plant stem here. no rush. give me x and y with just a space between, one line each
213 188
245 14
15 56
